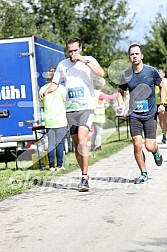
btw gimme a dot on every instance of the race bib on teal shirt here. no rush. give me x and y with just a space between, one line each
140 106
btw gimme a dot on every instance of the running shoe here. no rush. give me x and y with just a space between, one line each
52 169
98 148
59 169
84 185
158 158
143 177
164 139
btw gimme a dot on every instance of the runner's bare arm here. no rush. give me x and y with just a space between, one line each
162 89
120 101
98 70
50 89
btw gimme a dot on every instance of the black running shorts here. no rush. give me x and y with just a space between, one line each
148 126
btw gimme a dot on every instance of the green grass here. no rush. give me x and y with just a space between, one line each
14 181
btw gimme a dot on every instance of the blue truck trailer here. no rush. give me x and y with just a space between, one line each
24 63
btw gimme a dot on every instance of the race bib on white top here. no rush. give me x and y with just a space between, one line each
78 80
76 99
76 92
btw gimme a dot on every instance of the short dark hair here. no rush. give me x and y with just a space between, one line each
50 74
73 40
133 45
161 70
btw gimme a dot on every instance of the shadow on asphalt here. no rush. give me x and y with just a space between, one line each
74 186
111 179
71 186
114 179
156 244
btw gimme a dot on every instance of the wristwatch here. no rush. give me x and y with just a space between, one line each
87 62
163 104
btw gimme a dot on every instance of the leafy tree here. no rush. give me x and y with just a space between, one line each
56 20
101 24
155 49
15 19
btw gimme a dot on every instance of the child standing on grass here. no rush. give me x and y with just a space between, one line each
55 122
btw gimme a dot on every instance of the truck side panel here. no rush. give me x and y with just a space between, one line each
24 62
16 87
47 55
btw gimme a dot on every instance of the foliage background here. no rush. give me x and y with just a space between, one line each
100 24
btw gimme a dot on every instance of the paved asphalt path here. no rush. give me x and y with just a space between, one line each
114 216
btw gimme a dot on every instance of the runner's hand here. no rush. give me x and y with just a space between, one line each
77 57
161 109
119 110
42 94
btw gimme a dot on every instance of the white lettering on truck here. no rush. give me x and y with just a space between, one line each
10 92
